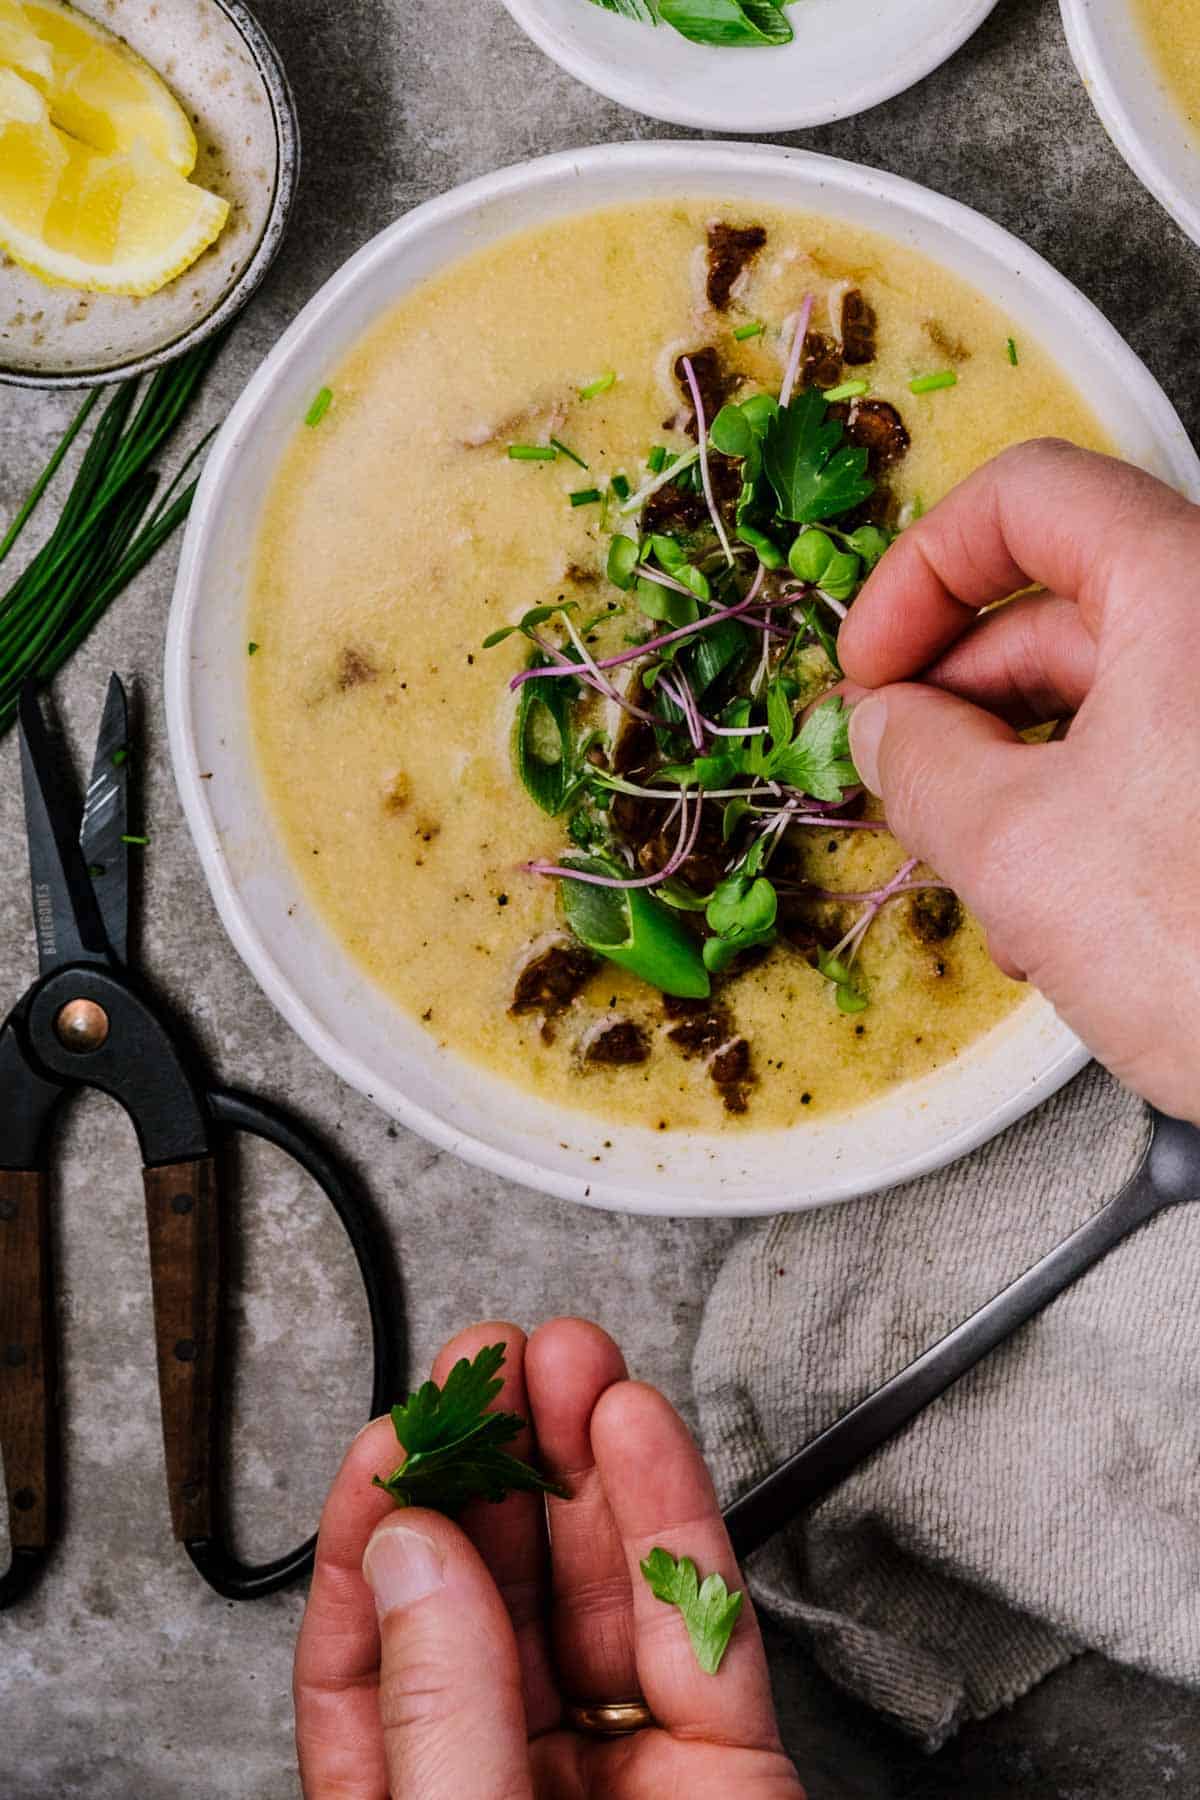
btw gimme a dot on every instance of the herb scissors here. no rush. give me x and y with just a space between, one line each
87 1022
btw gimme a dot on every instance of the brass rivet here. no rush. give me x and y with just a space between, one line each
81 1025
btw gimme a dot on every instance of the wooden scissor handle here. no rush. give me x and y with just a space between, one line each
28 1374
182 1216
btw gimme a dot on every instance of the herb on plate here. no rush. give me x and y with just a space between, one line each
454 1447
728 24
709 1610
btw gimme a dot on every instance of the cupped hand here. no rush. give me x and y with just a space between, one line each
1081 856
444 1671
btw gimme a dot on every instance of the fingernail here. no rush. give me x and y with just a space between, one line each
867 723
401 1567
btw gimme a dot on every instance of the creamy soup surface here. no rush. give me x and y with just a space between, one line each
1172 29
398 534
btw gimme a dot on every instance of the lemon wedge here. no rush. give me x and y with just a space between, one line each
100 90
76 216
20 45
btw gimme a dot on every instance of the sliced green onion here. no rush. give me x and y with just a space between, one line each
1012 352
754 329
319 407
585 496
849 390
128 837
929 384
565 451
533 452
620 486
601 385
118 757
251 648
656 458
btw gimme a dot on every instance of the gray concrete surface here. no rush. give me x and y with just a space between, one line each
124 1678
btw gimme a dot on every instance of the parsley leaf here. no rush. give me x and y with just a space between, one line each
818 761
813 479
709 1610
454 1445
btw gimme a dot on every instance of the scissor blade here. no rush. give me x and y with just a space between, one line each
65 915
105 811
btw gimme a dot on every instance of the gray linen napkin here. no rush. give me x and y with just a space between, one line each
1051 1501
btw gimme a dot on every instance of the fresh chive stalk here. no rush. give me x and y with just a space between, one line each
754 329
586 496
929 384
106 530
656 459
601 385
319 407
1012 352
532 452
564 450
849 390
620 486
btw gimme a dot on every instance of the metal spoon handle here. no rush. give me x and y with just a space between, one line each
813 1471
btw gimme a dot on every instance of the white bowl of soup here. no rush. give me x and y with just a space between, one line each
844 56
343 742
1140 63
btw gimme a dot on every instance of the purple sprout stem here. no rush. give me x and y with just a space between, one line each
793 362
653 644
683 849
702 443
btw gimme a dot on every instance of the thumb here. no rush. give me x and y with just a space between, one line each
947 772
449 1682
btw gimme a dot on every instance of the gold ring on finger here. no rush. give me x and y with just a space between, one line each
610 1718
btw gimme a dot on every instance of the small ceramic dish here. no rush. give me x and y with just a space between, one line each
225 71
1142 117
846 55
310 975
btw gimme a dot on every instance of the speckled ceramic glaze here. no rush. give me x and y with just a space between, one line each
225 72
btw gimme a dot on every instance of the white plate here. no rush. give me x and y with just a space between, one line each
305 970
846 55
1140 115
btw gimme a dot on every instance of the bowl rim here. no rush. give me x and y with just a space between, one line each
249 937
1105 81
285 118
620 82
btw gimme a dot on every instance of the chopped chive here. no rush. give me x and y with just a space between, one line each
128 837
620 486
251 648
656 459
929 384
601 385
565 451
95 869
533 452
319 407
754 329
849 390
585 496
1012 352
118 757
